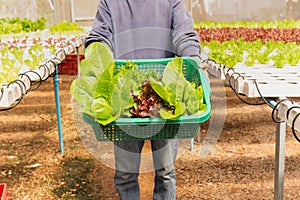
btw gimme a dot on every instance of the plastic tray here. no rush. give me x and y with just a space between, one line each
69 66
157 128
3 191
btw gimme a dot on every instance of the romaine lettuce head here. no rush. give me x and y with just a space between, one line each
87 68
99 56
165 93
177 91
179 110
105 86
82 89
102 111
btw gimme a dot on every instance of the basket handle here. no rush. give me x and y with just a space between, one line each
203 75
205 82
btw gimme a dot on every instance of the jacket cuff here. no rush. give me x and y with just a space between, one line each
190 51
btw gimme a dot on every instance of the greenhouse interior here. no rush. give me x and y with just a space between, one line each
234 114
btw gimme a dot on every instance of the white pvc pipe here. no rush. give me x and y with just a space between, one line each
191 7
72 11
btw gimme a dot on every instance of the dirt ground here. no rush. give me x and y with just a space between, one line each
241 165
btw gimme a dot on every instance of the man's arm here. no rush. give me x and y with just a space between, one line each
102 26
185 39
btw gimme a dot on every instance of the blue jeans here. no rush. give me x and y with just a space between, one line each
128 158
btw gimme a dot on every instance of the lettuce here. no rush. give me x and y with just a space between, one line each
98 56
98 59
104 91
178 92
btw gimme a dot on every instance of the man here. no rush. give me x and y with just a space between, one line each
145 29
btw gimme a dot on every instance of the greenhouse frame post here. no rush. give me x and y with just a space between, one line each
57 101
78 61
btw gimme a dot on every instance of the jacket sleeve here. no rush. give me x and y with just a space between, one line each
102 26
185 39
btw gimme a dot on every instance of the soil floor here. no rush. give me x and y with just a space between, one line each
239 165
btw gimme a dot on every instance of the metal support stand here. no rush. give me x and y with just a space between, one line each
78 61
192 144
279 160
198 139
219 71
77 56
57 101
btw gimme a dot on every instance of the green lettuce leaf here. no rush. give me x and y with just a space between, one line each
99 56
165 93
82 89
102 111
175 90
179 110
87 68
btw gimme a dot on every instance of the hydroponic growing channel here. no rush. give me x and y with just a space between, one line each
263 63
27 58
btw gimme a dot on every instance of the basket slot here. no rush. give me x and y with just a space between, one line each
159 68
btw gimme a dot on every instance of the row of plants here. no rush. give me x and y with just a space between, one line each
271 52
249 34
226 42
290 23
66 27
17 25
269 42
30 53
15 60
274 43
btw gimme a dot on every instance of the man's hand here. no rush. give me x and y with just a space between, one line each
202 65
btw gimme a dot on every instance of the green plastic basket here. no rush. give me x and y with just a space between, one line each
157 128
